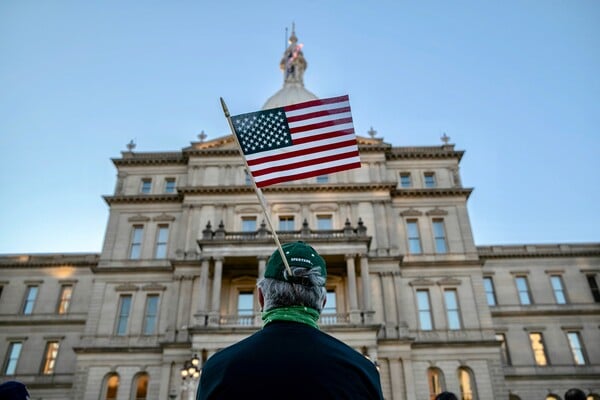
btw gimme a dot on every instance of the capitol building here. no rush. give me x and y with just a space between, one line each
407 287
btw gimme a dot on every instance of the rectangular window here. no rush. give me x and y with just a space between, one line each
576 348
452 310
424 307
323 179
500 337
557 288
135 249
245 303
330 304
123 315
429 180
12 357
64 301
150 314
162 239
146 187
30 296
286 223
248 224
439 236
50 358
538 348
523 289
414 239
594 287
490 293
169 185
324 222
405 180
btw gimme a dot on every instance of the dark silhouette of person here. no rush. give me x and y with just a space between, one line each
13 390
574 394
446 396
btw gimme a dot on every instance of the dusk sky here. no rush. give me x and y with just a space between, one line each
516 84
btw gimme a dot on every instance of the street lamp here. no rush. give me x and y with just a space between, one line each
190 373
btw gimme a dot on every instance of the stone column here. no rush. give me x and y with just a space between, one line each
216 293
396 380
353 298
262 263
366 288
202 311
165 380
389 305
409 378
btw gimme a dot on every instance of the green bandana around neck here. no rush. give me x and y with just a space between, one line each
304 315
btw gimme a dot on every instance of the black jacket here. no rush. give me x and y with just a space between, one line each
289 360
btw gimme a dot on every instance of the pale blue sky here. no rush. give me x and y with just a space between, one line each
514 83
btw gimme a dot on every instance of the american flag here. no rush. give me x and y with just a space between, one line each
298 141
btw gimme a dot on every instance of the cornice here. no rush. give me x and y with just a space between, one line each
539 250
116 349
49 260
445 151
340 187
211 152
432 192
441 263
143 198
548 311
43 319
150 158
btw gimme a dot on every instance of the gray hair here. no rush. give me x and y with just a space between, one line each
285 294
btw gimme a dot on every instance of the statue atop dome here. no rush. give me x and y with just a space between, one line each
293 63
293 66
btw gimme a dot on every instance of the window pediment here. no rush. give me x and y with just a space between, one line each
437 212
127 287
411 212
449 282
154 286
138 218
164 218
421 282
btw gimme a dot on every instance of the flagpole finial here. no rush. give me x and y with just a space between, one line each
225 109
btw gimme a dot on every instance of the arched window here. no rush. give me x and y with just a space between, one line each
110 387
552 397
513 397
435 377
466 379
593 396
139 389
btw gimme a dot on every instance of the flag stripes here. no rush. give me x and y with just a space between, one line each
322 141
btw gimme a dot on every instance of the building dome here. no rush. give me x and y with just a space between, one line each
293 64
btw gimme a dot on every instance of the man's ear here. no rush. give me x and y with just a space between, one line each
261 299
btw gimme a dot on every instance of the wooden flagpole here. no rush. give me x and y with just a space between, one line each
259 193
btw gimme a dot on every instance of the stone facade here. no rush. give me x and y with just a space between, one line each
206 259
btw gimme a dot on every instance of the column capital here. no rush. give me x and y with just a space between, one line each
218 258
262 258
350 256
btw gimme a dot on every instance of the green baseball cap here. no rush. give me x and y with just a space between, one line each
298 254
